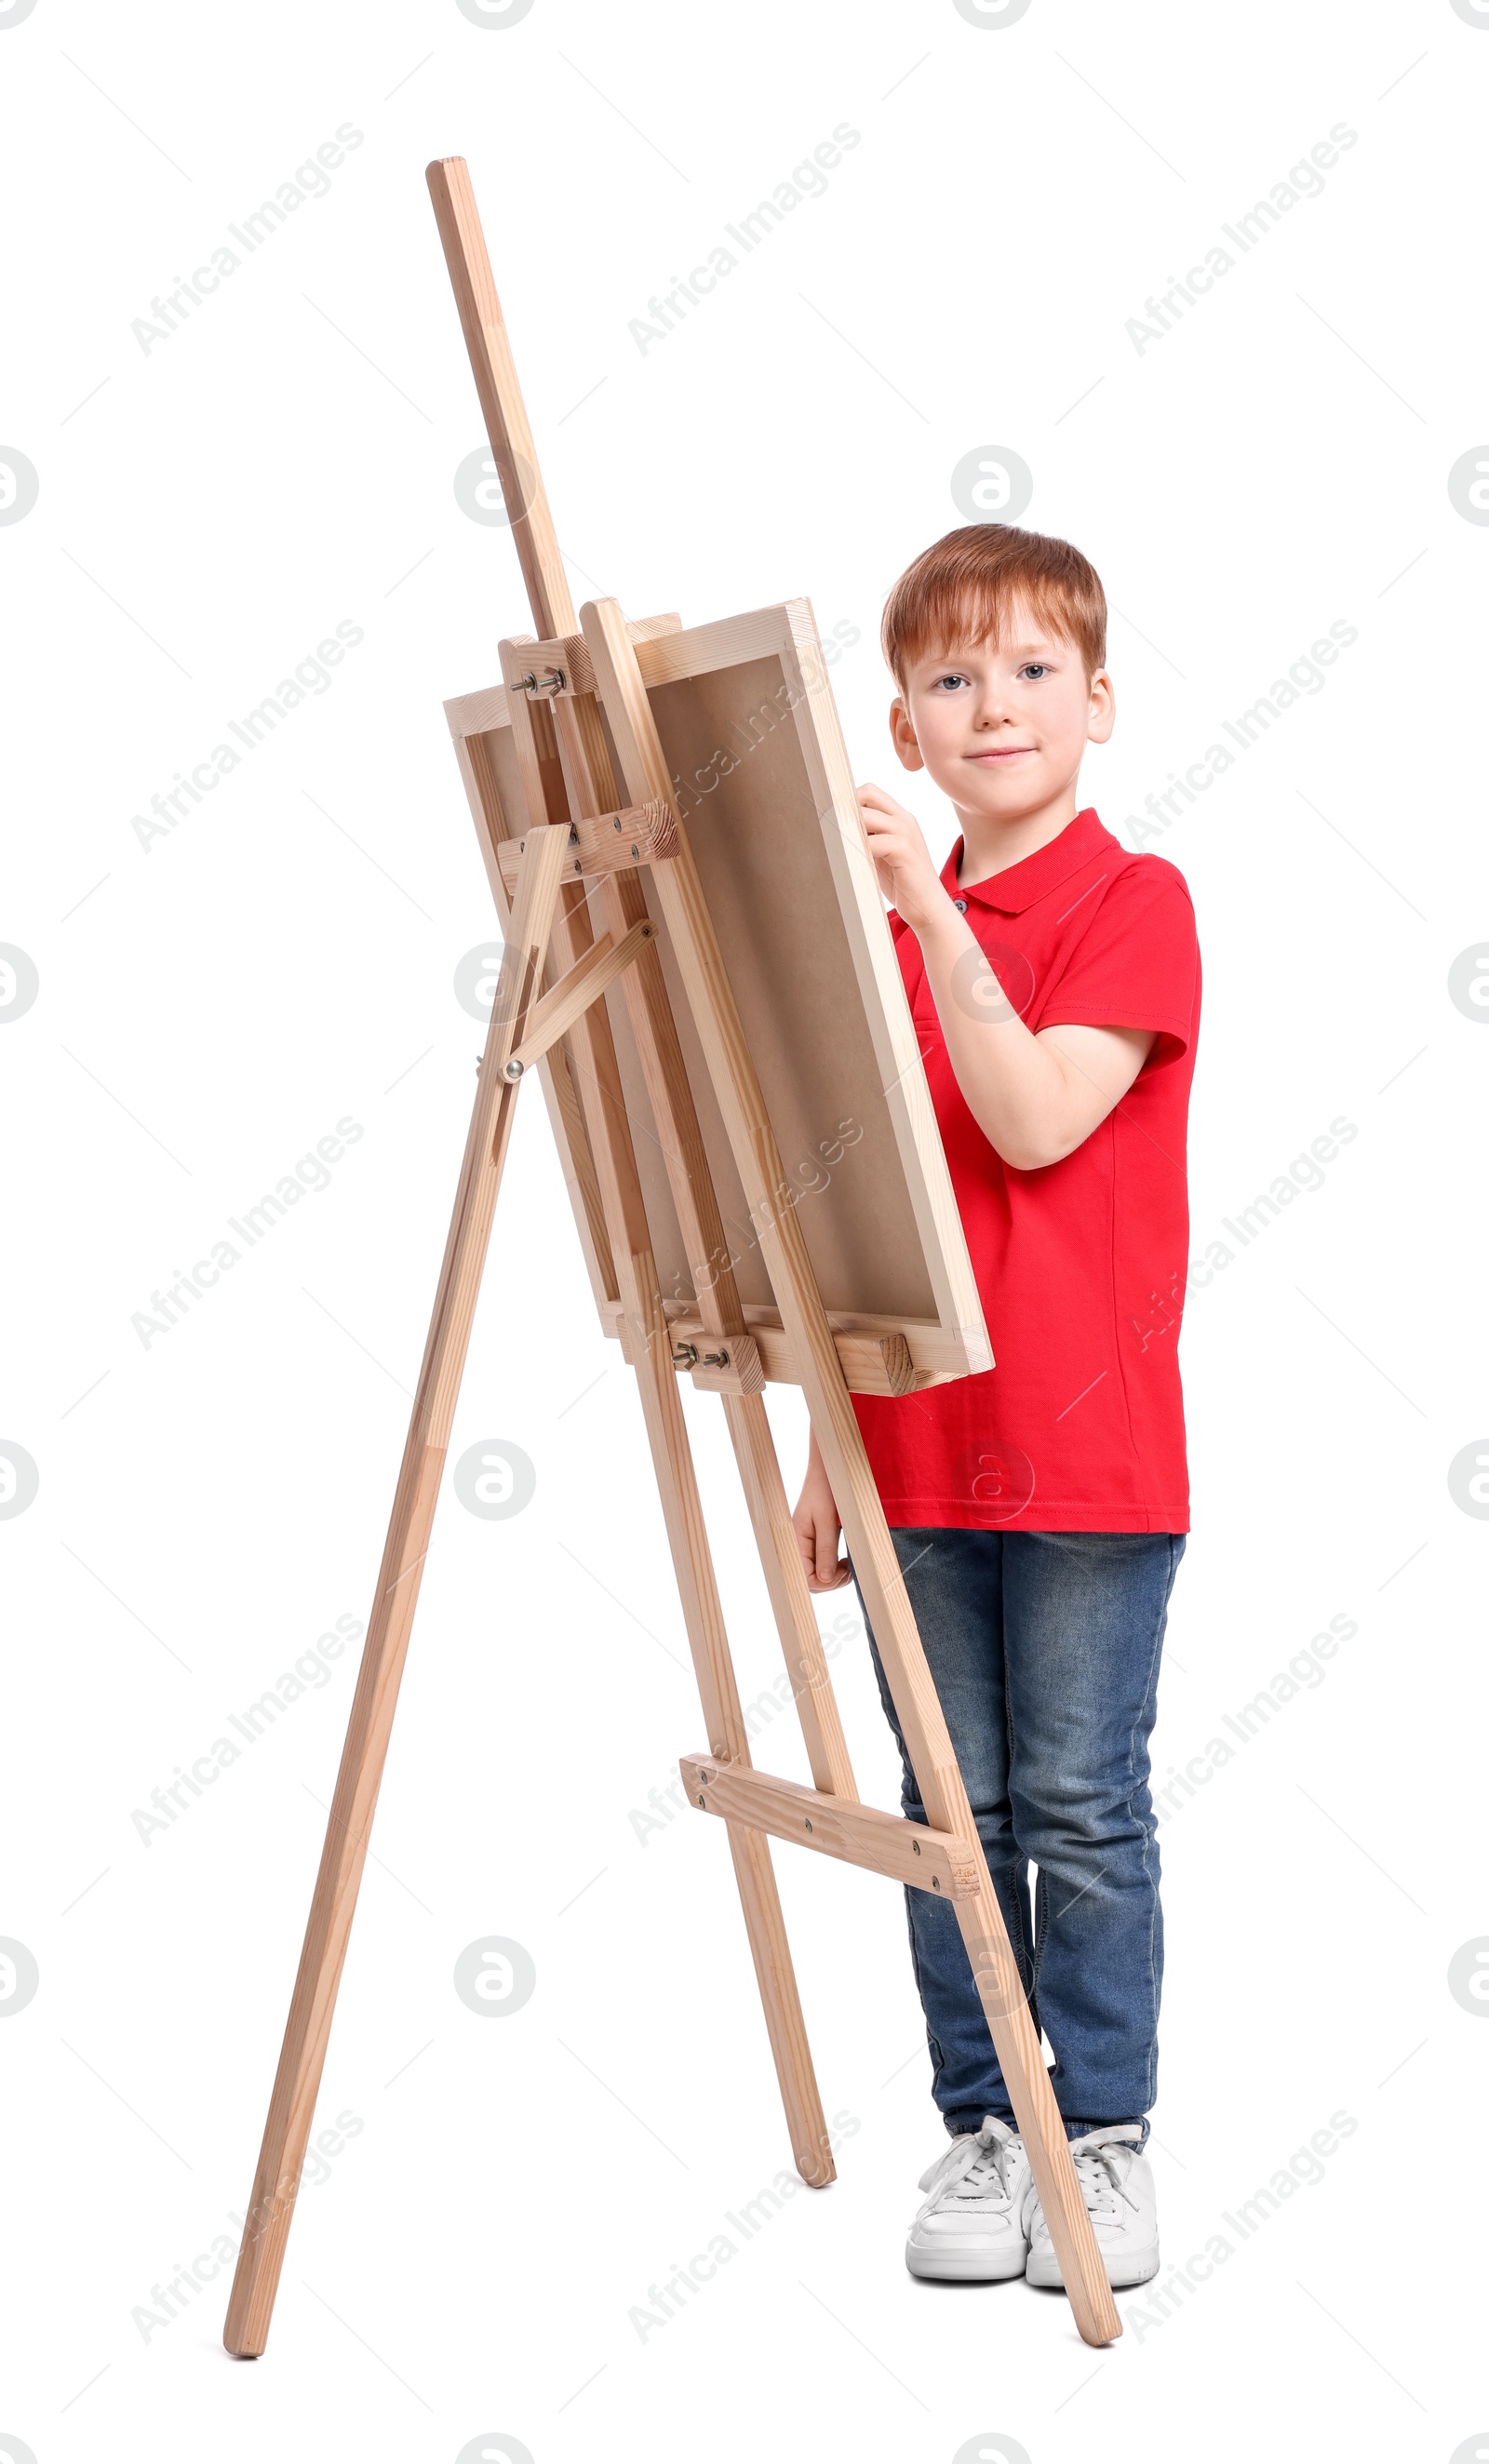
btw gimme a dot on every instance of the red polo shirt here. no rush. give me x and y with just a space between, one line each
1082 1264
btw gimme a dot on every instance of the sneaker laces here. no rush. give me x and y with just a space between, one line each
975 2170
1101 2172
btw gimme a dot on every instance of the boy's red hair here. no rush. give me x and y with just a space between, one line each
963 588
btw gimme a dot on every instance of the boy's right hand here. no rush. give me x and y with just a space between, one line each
817 1531
906 874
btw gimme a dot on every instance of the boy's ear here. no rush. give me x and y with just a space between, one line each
902 737
1103 709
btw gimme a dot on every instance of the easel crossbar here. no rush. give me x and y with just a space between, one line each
602 842
858 1834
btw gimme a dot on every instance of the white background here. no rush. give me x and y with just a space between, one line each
210 1502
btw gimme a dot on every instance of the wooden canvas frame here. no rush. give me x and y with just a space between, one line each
770 815
586 839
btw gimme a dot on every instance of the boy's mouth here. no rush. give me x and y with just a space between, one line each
1003 752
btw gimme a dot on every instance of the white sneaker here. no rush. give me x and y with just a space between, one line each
1117 2182
972 2229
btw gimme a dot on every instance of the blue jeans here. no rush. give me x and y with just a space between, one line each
1044 1649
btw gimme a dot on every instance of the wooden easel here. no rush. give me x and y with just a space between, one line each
586 822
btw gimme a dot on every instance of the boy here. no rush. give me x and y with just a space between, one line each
1038 1510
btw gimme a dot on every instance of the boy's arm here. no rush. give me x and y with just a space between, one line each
1035 1097
818 1527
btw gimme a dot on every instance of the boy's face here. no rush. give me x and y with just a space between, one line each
1003 731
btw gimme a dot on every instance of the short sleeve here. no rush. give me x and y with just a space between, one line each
1136 964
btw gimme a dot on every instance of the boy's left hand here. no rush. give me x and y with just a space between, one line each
902 859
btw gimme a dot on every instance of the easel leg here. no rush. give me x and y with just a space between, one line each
630 1242
918 1707
307 2033
779 1557
703 1612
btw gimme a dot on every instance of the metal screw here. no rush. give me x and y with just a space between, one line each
715 1360
685 1355
513 1069
635 850
915 1847
617 820
935 1881
808 1826
702 1800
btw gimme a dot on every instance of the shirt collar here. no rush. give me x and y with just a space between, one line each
1019 885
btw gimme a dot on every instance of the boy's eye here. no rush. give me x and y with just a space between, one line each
955 677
